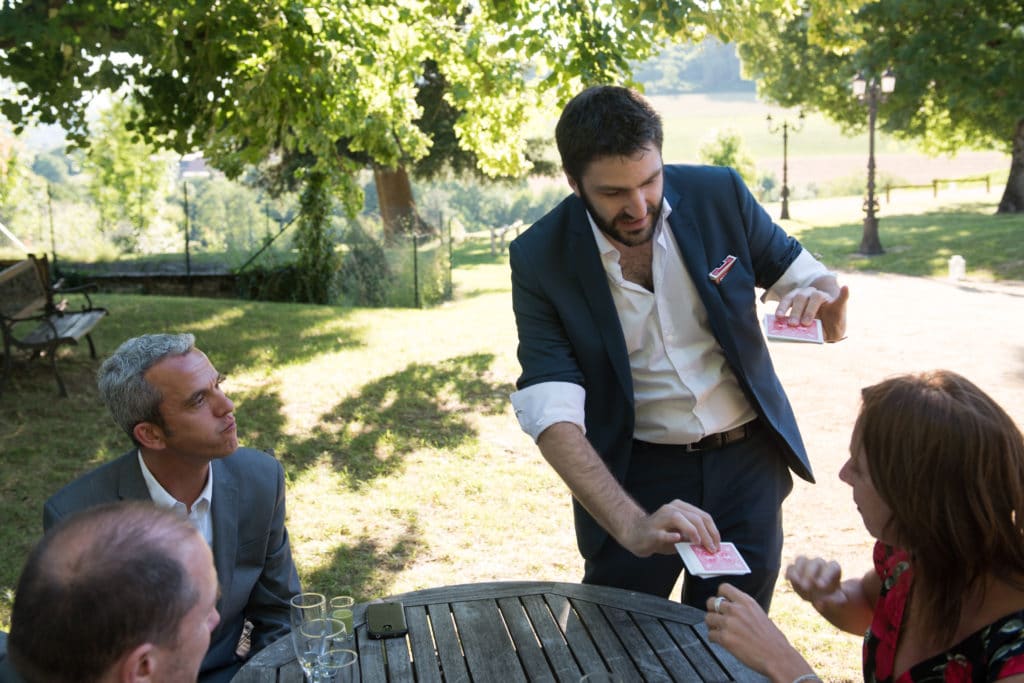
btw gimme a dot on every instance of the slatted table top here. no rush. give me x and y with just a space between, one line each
511 631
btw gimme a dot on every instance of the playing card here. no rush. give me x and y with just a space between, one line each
779 328
699 562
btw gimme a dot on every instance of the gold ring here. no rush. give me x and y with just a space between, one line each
718 604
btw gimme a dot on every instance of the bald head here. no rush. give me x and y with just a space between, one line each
100 584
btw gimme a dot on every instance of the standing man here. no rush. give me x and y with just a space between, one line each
646 381
121 592
166 395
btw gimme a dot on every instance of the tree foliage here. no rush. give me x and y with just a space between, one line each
332 86
317 266
125 175
958 66
247 79
726 148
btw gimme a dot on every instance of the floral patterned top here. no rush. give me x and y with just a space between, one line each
989 654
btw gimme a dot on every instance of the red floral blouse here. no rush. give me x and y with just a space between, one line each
989 654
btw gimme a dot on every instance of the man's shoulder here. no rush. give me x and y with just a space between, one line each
552 224
97 480
690 175
7 672
99 485
251 461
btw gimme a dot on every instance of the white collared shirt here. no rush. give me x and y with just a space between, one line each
683 387
199 515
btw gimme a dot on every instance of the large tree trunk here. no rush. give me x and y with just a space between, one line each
397 208
1013 195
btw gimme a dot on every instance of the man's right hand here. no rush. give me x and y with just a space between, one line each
675 522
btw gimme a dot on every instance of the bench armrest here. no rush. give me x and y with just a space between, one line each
61 308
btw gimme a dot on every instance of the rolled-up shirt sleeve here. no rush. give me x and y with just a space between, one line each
804 270
541 405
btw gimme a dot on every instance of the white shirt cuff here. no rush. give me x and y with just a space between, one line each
804 270
541 405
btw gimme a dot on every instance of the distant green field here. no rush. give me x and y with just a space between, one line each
691 119
820 153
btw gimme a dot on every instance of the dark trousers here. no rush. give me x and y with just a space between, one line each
741 486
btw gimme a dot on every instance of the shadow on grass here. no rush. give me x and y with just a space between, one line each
368 435
365 569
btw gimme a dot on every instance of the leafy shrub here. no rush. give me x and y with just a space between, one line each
365 277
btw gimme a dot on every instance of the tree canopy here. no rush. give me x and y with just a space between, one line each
323 88
958 67
245 80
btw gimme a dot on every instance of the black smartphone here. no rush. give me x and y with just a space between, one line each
386 620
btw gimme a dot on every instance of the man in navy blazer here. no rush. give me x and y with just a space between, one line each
166 395
646 381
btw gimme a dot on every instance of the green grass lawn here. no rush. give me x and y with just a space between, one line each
919 234
405 465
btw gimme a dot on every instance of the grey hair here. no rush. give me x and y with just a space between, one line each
121 378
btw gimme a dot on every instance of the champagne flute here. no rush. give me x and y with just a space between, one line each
313 639
336 665
305 607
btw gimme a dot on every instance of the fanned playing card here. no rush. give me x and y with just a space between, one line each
700 562
779 328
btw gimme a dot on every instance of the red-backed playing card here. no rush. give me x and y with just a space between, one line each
779 328
699 562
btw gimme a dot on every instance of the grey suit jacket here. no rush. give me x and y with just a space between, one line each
250 543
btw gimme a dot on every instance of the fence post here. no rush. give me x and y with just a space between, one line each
988 187
415 270
935 188
888 187
49 210
188 258
451 262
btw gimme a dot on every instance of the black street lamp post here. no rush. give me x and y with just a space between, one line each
872 92
785 128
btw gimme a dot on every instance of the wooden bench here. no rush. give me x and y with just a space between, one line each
33 321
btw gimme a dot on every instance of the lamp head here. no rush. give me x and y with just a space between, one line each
888 81
859 85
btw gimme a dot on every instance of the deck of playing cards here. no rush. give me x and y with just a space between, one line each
699 562
779 328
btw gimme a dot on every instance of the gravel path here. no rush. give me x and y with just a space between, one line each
896 324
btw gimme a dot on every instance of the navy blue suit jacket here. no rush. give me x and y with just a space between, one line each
569 330
255 570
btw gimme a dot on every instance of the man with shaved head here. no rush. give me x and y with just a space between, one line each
121 592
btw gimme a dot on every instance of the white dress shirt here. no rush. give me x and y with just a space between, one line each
199 515
683 388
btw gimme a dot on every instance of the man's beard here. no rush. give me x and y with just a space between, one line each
609 229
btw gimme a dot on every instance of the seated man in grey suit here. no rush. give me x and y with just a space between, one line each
121 592
166 395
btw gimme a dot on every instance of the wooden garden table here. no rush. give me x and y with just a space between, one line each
511 631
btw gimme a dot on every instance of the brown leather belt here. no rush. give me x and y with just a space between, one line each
735 435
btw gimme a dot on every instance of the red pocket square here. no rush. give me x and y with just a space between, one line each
719 273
